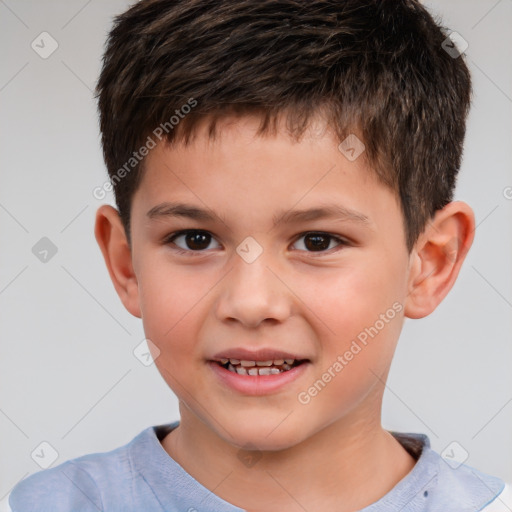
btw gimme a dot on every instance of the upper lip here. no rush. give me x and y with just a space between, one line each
263 354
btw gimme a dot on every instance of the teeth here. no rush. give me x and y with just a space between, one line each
256 371
247 367
248 363
264 363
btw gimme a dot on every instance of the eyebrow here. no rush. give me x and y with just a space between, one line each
335 211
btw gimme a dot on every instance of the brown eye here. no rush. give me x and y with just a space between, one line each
197 241
319 242
193 240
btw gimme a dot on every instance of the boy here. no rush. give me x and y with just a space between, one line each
284 173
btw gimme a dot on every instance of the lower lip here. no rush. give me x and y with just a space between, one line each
257 384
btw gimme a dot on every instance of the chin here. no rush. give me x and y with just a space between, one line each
270 433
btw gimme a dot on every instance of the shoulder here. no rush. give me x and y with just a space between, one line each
442 482
502 502
65 487
78 484
466 487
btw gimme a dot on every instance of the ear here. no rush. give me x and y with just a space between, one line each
437 257
111 238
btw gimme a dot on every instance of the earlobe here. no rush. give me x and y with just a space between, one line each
437 258
111 238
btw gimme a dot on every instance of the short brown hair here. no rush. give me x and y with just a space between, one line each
377 68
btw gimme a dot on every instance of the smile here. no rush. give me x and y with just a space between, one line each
253 368
258 373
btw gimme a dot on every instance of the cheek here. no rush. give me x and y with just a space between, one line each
358 315
347 301
171 303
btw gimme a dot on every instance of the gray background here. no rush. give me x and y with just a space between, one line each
68 373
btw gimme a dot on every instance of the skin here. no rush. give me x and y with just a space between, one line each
315 456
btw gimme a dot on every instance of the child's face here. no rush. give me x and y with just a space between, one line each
304 297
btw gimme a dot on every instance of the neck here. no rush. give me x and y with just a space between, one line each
328 471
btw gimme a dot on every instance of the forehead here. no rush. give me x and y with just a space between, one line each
213 142
269 176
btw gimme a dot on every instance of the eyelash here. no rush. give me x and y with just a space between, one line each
190 252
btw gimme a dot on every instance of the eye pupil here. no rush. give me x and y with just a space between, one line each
317 242
197 241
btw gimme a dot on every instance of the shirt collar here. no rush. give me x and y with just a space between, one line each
174 488
417 484
162 473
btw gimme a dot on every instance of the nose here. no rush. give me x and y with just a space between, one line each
252 293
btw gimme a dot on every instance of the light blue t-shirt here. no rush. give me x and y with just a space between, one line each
141 476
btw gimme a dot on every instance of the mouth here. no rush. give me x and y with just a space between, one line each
258 372
261 367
